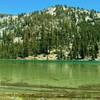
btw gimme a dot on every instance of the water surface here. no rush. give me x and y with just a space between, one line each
49 73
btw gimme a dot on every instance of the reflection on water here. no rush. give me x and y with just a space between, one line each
50 73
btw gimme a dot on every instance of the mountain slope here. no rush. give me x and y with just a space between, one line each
70 33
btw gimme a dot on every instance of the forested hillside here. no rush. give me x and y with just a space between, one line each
70 33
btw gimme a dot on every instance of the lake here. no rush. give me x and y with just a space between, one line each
48 74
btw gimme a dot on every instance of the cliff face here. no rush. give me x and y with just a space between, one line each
70 33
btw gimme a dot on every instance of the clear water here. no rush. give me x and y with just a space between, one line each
49 73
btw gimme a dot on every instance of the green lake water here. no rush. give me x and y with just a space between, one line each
57 74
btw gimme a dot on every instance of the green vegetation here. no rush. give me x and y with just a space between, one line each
72 33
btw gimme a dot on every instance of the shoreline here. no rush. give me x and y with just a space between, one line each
53 61
54 57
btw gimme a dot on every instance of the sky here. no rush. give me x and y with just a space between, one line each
26 6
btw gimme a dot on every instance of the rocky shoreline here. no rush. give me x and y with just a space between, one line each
54 57
40 57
